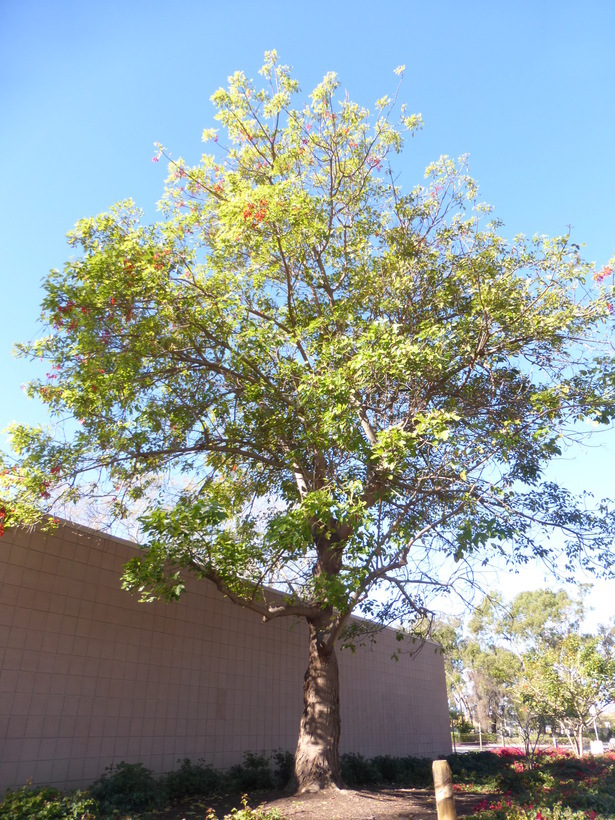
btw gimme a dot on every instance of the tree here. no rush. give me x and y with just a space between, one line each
535 622
529 663
530 719
315 381
446 631
479 669
539 617
573 681
489 671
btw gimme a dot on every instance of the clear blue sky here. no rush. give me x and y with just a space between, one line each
526 88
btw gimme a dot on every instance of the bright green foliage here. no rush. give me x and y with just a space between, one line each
491 672
562 675
44 803
541 617
310 378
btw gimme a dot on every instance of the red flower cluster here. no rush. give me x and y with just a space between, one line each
509 751
254 214
161 260
601 275
61 310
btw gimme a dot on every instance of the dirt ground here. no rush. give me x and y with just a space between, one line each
345 804
349 804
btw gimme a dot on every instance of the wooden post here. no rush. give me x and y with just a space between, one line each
443 785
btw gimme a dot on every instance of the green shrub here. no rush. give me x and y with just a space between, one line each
127 787
253 774
417 772
357 771
284 770
477 767
464 726
43 803
391 769
404 771
192 780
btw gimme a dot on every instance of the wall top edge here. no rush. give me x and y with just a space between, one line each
64 523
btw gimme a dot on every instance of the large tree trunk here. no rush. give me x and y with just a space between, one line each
317 763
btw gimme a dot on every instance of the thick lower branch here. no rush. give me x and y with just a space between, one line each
268 611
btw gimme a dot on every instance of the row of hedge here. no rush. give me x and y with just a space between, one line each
131 787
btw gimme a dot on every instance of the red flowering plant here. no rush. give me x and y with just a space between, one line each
605 277
560 786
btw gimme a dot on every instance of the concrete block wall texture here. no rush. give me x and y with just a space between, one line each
90 677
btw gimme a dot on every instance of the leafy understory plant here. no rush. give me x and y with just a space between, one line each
45 803
247 813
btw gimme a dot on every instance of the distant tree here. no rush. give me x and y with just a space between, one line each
536 616
527 663
354 382
543 626
573 681
447 633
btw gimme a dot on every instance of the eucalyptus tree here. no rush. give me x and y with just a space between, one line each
314 380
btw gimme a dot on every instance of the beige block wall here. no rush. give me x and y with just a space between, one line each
89 676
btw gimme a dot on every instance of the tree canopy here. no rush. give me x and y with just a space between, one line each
313 379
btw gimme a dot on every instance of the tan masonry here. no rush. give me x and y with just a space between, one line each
89 676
